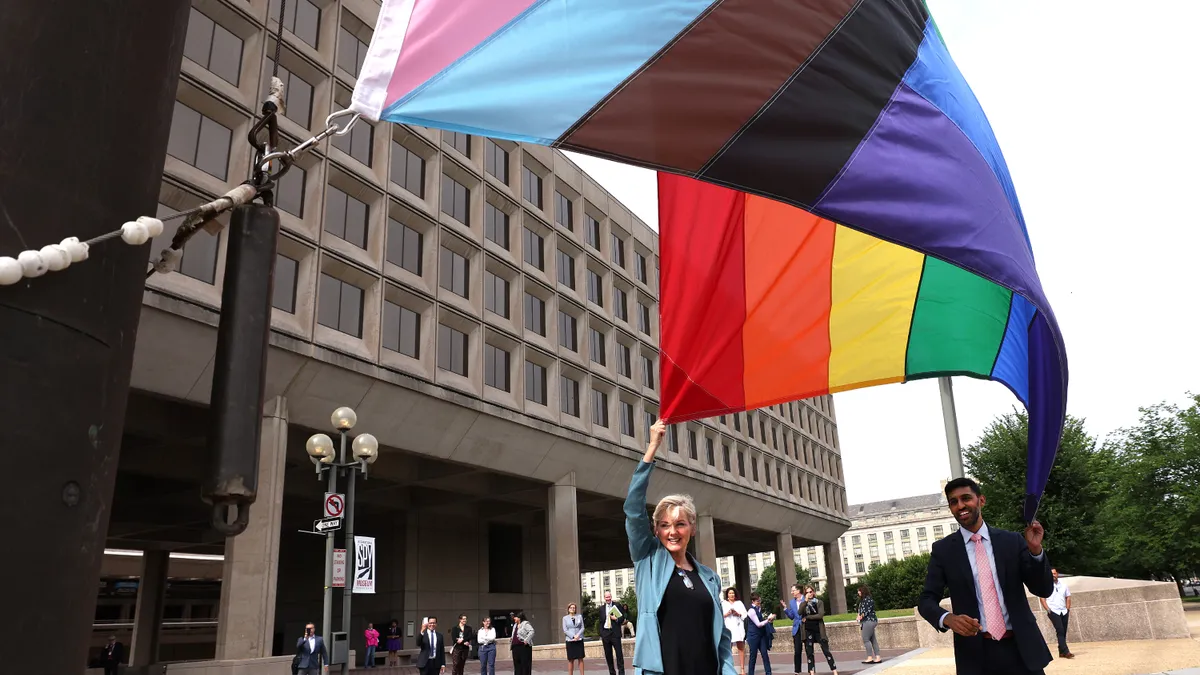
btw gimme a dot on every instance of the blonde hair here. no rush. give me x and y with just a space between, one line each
682 502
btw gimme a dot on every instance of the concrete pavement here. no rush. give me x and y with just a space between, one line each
1129 657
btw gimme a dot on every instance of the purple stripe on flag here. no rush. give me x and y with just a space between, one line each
1047 406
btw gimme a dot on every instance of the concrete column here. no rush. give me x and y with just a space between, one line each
706 543
785 564
741 574
246 621
835 580
148 616
562 552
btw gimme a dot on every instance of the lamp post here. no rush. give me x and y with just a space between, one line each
364 451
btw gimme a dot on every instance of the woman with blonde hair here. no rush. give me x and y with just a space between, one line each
680 629
572 625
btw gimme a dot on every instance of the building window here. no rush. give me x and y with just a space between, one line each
592 231
725 457
459 141
563 214
643 318
535 382
213 47
639 267
339 306
495 225
567 336
495 160
566 269
741 463
595 288
452 350
289 191
283 291
404 246
597 347
408 170
938 532
779 476
456 200
495 294
791 484
648 372
346 217
454 274
624 362
673 438
754 468
692 451
301 17
600 408
535 249
531 187
495 367
749 425
620 304
648 418
200 141
569 395
351 52
358 143
535 314
708 452
199 257
297 94
626 419
401 330
618 251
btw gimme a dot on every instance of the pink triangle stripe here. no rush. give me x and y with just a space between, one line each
440 32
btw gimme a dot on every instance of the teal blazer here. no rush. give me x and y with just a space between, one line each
654 567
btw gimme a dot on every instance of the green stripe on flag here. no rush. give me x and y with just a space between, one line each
958 322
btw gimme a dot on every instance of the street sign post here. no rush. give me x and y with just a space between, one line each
327 524
335 505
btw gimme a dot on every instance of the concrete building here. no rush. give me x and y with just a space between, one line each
880 532
488 310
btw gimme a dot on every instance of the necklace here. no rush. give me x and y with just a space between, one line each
687 581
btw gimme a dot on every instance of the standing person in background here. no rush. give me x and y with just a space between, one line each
485 637
111 655
432 658
610 634
393 644
462 636
522 645
680 627
311 652
734 613
572 625
867 621
1058 608
372 638
987 571
759 630
814 630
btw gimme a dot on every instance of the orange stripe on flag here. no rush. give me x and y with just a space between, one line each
789 257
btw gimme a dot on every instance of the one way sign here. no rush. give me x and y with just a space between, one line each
327 524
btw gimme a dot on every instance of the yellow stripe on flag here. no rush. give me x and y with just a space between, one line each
874 287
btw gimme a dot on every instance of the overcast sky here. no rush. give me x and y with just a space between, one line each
1095 109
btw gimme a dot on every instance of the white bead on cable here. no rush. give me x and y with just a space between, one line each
77 249
32 264
153 225
57 258
10 271
135 233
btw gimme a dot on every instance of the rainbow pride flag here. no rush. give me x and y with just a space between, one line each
835 211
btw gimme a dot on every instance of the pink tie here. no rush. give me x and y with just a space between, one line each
987 588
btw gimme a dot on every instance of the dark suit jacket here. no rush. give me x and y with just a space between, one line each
113 654
311 658
426 657
1015 569
617 623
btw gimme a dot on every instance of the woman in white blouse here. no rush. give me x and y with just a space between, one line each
735 620
485 638
572 625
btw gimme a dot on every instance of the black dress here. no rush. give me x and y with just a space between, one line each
685 625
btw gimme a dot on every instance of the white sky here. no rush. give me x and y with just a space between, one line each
1094 105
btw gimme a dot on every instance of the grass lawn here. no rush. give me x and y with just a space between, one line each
883 614
1191 598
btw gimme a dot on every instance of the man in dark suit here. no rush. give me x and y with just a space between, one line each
111 656
610 633
432 659
986 570
310 652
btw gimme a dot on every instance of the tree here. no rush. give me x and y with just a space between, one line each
768 586
591 615
1152 513
894 585
1073 499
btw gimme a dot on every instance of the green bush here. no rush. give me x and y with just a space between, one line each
894 585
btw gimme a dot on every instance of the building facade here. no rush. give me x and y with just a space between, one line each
489 311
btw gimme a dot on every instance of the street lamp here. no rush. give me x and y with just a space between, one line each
364 450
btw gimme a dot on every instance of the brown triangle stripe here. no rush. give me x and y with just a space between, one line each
684 106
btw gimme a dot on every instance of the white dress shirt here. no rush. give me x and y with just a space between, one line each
432 643
1057 602
485 636
991 554
312 644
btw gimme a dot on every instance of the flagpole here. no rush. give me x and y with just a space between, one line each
951 419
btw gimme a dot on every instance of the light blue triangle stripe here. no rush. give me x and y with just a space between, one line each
936 77
1012 362
536 77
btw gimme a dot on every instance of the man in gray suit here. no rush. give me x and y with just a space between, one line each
310 652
